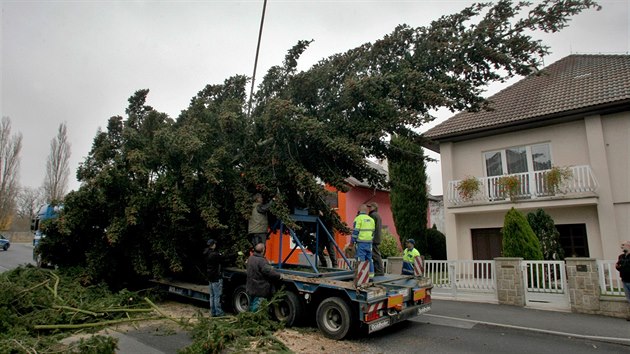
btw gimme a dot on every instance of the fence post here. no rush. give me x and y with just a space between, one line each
510 285
583 280
452 278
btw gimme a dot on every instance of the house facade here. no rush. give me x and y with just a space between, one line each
573 119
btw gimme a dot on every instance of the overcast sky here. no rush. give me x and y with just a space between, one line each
79 61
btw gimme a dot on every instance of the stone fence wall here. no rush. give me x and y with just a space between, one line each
583 287
18 236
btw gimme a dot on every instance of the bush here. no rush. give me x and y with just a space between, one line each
389 247
436 242
548 236
519 239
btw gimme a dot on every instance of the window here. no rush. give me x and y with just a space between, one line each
573 240
518 159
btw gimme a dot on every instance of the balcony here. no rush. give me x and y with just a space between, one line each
531 186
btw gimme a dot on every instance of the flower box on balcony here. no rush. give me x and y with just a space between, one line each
509 186
554 178
468 187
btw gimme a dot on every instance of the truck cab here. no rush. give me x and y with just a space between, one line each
45 213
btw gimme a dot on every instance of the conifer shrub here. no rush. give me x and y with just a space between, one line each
519 239
436 242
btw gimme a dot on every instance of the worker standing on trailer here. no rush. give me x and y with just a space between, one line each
258 226
409 256
378 225
362 236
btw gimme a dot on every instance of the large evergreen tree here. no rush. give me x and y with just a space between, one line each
408 194
153 189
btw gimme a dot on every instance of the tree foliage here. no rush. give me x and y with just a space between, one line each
153 189
545 229
519 239
57 166
408 178
10 147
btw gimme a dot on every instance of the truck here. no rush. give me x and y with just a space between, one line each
44 213
341 300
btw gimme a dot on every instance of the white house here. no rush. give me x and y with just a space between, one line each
574 114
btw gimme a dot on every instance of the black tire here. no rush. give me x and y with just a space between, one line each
5 247
240 300
334 318
289 310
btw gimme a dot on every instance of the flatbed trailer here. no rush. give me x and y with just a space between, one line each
341 300
340 307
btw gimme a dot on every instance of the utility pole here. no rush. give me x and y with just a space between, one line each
251 92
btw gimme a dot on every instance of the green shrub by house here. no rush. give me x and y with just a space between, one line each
389 246
436 242
545 229
519 239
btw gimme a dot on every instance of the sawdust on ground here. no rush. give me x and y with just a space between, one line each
300 340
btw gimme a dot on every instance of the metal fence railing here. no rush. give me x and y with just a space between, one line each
474 275
609 279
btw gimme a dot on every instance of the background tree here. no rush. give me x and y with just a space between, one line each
28 200
519 239
10 147
545 229
153 189
57 166
408 193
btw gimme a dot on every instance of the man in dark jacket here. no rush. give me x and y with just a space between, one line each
378 225
623 266
214 264
260 274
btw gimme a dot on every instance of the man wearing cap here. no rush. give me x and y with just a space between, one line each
378 225
409 256
362 235
214 264
623 266
260 275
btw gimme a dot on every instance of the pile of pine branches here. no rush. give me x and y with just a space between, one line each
38 307
247 332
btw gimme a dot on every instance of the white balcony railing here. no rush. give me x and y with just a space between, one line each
531 185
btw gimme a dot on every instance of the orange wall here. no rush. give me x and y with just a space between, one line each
348 205
359 195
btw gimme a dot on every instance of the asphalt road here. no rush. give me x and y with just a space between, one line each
426 334
17 254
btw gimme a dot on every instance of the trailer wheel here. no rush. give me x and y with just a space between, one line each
240 300
289 309
334 318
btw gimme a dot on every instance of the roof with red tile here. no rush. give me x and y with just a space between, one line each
577 83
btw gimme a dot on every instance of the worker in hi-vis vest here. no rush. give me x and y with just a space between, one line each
362 235
409 256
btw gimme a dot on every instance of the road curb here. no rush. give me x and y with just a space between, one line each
623 341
